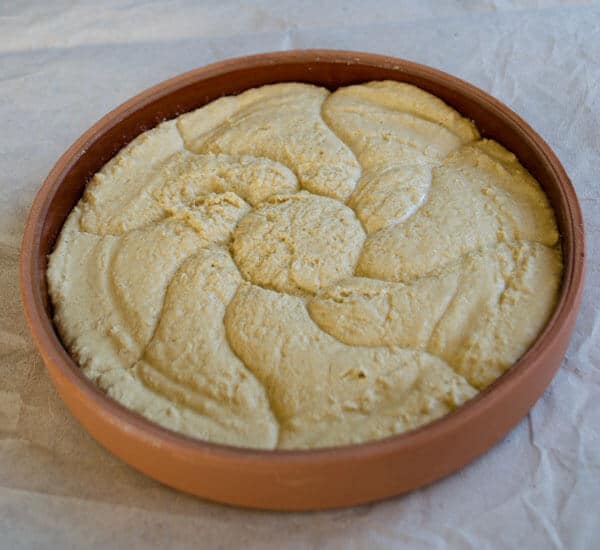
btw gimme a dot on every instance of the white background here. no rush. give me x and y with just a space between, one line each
63 65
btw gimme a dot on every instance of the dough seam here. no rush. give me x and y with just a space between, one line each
249 370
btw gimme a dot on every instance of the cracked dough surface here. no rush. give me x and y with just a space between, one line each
294 268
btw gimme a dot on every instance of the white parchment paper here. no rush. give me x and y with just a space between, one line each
64 64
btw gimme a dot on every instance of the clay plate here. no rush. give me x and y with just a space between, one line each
299 480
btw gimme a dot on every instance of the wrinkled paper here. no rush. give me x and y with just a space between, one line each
63 65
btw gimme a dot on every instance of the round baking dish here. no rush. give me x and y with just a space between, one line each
312 479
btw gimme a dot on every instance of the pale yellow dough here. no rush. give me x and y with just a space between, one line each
294 268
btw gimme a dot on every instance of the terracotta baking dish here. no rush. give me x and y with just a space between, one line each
299 480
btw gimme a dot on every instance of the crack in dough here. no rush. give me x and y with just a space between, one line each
183 185
480 195
293 268
398 133
203 374
479 314
391 195
282 122
111 202
325 392
102 305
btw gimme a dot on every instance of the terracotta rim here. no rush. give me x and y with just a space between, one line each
66 374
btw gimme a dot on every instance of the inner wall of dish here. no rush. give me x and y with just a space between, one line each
181 98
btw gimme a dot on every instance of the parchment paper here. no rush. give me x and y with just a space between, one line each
63 65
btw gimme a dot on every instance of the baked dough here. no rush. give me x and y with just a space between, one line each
294 268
